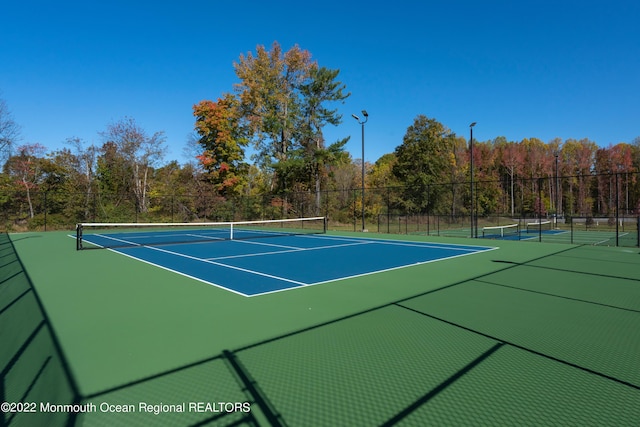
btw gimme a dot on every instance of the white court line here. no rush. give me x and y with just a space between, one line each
455 247
228 266
610 238
180 273
353 242
265 244
372 272
398 267
113 238
132 243
202 236
289 250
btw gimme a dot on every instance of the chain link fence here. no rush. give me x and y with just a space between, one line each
585 209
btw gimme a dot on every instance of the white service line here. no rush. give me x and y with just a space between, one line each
257 273
251 242
180 273
468 248
202 236
391 268
128 242
288 250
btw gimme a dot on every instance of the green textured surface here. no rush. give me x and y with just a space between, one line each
114 311
598 289
603 339
31 368
528 334
209 381
605 263
516 388
350 373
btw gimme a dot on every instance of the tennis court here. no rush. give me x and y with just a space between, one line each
380 330
260 261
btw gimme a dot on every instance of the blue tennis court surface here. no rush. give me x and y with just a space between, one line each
272 264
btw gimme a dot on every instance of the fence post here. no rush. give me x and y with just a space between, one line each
617 215
571 229
355 196
539 210
388 210
45 210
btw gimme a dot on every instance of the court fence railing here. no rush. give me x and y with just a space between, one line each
576 204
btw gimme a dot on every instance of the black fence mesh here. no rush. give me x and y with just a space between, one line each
607 203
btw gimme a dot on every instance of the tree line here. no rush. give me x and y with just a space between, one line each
279 108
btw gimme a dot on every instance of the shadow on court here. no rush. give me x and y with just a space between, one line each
549 341
431 359
32 369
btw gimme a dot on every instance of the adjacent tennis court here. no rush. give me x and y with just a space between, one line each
260 257
545 231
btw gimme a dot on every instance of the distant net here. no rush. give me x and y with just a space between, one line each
501 231
534 227
119 235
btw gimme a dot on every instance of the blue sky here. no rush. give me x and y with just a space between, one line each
520 69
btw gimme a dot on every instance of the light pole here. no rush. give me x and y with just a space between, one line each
366 117
471 164
557 195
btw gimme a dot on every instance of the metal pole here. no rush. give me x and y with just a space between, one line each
557 195
617 214
539 209
471 166
362 195
366 117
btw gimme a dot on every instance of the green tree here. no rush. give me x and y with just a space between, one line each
283 99
423 160
320 89
268 98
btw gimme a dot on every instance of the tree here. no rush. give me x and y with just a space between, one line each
223 141
268 98
486 177
381 174
9 131
512 159
423 159
281 107
27 170
320 89
138 152
580 156
81 166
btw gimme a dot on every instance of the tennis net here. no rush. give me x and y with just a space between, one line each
534 227
501 231
119 235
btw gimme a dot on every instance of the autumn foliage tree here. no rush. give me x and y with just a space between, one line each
222 140
283 100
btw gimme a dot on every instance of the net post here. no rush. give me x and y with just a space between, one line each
325 225
231 231
78 237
